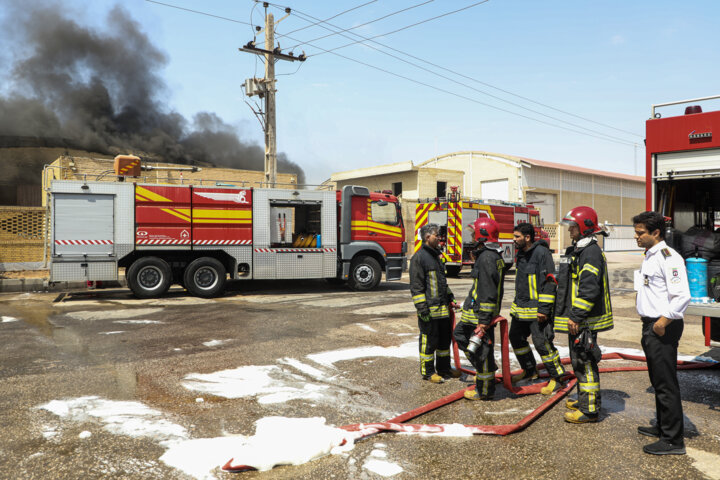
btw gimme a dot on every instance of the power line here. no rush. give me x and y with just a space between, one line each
199 12
330 18
402 28
623 142
362 24
458 82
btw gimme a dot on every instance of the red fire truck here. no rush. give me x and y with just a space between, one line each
197 235
683 182
455 215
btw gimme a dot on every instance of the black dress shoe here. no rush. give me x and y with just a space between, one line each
652 431
661 447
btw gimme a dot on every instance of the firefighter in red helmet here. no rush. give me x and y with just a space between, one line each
583 309
473 333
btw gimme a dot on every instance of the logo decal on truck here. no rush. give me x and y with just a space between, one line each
225 197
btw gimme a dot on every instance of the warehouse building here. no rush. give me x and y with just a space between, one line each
552 187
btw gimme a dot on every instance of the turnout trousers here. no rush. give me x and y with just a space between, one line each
542 336
434 345
588 376
661 355
484 368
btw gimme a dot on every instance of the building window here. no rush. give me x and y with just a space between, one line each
397 188
441 189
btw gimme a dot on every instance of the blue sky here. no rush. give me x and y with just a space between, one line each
605 61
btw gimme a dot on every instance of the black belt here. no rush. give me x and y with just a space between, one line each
655 319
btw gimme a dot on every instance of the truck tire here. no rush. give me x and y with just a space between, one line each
149 277
205 277
365 273
453 270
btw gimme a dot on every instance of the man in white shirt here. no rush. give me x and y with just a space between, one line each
663 295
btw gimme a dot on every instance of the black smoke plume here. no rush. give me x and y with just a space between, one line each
100 90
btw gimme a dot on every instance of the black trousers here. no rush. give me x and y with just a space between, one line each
484 369
434 345
542 336
661 355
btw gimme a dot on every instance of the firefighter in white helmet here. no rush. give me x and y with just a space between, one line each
473 333
583 309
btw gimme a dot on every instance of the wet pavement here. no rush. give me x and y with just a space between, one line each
99 385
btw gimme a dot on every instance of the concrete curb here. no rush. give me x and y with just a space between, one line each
16 285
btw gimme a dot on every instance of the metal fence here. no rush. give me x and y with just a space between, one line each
621 239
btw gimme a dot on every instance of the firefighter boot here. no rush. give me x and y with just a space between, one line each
452 373
571 404
576 416
474 395
434 378
524 375
553 386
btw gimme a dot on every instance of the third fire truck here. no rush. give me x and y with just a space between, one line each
455 214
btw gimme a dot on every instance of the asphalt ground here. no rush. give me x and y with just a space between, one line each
108 345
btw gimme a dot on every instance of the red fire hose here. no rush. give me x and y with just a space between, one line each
362 430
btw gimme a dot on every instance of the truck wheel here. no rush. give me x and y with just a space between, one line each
453 270
205 277
149 277
364 273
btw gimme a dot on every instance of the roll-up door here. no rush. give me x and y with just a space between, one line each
83 224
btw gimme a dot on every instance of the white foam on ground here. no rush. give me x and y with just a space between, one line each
198 457
305 368
6 319
120 417
269 383
214 343
112 314
290 441
139 322
406 350
85 434
49 431
382 467
707 463
378 453
366 327
113 332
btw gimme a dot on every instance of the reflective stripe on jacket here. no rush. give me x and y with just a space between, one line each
583 289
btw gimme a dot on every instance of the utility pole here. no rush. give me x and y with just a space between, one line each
265 88
270 145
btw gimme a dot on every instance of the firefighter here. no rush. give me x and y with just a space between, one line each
433 299
532 308
481 306
583 309
663 295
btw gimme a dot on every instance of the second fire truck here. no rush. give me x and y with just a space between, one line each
455 214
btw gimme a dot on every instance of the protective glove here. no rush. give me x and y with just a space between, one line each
425 317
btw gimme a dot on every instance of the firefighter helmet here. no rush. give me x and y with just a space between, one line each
585 218
486 230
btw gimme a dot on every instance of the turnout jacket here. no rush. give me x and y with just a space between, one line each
428 285
583 288
534 283
483 302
